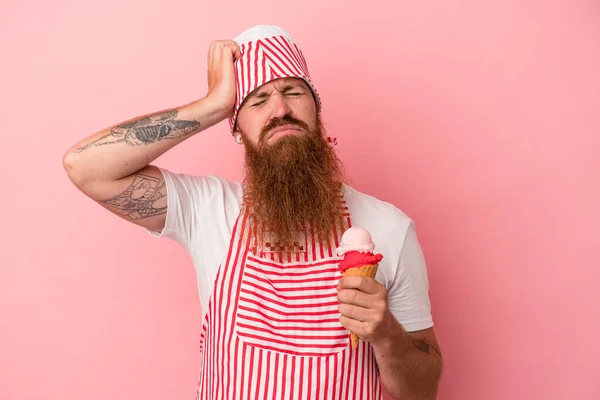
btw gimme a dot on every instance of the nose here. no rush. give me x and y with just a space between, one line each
280 107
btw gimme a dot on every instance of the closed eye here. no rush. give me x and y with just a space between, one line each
259 103
293 94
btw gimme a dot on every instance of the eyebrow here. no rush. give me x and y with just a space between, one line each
288 87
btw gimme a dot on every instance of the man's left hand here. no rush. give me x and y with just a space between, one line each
364 307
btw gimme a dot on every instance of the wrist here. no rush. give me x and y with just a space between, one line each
206 111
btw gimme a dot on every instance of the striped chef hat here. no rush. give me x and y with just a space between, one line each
268 53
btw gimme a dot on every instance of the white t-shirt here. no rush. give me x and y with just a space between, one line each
202 211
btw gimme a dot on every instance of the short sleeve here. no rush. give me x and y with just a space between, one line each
408 295
196 204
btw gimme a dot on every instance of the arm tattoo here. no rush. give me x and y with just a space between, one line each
145 197
146 130
424 347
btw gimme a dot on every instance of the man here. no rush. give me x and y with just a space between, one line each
277 313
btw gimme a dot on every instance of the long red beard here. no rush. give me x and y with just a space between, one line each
296 180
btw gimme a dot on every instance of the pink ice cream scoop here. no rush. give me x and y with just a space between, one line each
356 239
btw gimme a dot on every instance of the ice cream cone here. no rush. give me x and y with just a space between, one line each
363 270
357 248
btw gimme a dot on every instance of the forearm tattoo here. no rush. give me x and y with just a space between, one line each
424 347
145 197
147 130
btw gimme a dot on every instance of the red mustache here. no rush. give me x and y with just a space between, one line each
277 122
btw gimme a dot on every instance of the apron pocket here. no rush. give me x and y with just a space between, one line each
290 308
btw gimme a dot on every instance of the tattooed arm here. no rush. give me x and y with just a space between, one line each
128 147
113 166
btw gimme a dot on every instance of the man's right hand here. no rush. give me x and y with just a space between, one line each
221 75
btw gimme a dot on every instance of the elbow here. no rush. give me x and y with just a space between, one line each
69 161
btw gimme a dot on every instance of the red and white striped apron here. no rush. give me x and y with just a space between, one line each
272 327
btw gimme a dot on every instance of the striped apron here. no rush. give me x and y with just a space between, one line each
272 327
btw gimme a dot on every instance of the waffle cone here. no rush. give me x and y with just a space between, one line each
363 270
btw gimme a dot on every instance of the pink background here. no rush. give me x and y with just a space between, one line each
483 118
